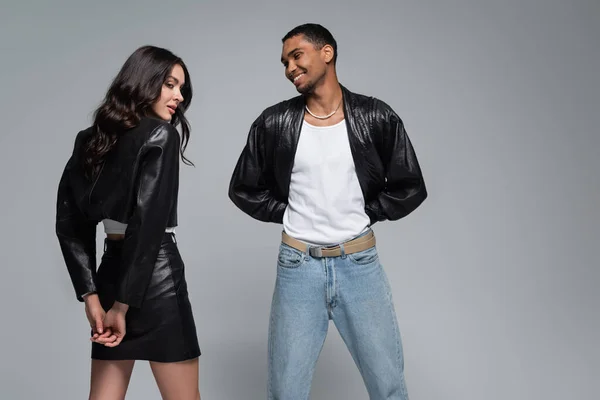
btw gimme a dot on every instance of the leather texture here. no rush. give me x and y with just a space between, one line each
386 164
137 185
163 330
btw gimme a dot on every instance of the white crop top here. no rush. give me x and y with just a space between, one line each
112 226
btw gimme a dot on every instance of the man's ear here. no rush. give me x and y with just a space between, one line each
328 53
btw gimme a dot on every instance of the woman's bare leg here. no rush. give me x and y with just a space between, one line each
110 379
178 380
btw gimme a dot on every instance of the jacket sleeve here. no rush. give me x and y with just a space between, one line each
404 187
249 188
76 236
156 188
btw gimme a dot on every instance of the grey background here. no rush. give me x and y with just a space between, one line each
495 277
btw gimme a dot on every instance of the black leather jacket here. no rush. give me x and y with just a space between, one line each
138 185
386 164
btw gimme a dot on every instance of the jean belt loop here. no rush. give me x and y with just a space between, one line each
342 250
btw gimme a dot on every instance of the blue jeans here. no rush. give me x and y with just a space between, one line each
353 291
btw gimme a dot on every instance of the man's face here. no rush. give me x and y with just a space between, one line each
305 66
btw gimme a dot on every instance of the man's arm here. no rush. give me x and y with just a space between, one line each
405 188
248 188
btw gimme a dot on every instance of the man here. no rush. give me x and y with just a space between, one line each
327 165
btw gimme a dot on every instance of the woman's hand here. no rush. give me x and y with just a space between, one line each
114 326
95 314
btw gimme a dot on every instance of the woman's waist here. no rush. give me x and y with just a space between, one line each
114 244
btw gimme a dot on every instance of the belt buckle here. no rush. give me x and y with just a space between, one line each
316 252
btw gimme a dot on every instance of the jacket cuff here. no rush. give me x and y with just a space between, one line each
278 215
84 289
371 213
131 301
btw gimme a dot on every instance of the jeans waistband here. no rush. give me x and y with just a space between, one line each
362 242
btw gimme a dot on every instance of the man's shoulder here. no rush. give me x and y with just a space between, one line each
283 107
368 103
273 115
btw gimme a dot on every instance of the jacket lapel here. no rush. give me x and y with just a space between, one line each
288 133
356 137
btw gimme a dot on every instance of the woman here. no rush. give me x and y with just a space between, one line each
124 172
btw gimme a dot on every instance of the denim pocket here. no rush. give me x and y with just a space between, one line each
289 257
365 257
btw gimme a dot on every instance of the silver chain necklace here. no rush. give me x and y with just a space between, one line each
324 116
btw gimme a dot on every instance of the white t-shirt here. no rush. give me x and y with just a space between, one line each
325 203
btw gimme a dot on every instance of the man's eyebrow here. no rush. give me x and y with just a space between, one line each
291 52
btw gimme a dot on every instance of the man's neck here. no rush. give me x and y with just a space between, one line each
325 98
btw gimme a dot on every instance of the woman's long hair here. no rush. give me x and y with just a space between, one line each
134 90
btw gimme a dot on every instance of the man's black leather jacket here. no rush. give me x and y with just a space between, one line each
386 164
138 185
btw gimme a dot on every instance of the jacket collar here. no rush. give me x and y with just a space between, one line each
298 103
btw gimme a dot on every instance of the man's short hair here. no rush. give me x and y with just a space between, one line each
316 34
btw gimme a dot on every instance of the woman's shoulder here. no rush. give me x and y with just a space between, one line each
83 135
157 132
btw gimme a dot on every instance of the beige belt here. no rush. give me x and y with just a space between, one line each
352 246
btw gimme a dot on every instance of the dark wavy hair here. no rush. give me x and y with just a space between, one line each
134 90
315 34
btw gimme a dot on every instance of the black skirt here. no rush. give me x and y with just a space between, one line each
163 329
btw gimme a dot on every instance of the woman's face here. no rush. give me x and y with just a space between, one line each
170 96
